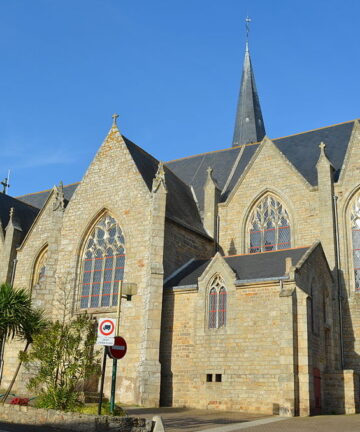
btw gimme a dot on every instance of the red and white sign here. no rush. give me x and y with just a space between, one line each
106 331
118 350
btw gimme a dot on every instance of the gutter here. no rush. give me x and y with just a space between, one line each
268 279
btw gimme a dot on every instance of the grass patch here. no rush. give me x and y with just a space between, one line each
92 408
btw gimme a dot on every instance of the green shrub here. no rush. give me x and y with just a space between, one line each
63 357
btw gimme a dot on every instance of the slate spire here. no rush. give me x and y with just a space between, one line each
249 125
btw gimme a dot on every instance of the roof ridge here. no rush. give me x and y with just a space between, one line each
140 148
21 202
46 190
263 252
258 142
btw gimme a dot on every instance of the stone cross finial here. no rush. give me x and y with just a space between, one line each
322 145
115 117
5 185
11 212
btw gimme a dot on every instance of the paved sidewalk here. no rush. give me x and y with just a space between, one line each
191 420
324 423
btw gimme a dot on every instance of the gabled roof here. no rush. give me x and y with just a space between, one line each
180 204
247 267
38 199
24 214
302 150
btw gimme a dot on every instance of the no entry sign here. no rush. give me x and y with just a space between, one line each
118 350
106 331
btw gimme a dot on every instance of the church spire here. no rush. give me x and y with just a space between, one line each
249 125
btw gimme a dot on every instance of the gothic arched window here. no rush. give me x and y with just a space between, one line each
217 303
355 231
40 267
269 226
103 264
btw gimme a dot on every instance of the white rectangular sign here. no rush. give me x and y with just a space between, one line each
104 341
106 331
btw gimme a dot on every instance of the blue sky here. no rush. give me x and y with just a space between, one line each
171 70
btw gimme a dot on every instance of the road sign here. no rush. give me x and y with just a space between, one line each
118 350
106 331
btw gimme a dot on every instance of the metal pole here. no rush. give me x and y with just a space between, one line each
118 309
102 381
114 368
113 386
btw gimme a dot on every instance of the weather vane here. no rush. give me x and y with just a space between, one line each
247 24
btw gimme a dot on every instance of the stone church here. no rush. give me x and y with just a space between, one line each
246 262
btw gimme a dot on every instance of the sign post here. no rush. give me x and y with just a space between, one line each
106 333
128 289
102 381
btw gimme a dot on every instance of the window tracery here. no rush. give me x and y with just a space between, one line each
355 233
102 264
217 303
269 226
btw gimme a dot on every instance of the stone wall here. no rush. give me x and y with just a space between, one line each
67 421
270 172
181 245
244 354
141 215
341 392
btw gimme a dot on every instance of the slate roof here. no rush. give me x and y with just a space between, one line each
24 214
180 204
246 267
249 123
38 199
302 150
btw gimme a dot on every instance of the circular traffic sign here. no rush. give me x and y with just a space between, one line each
118 350
107 327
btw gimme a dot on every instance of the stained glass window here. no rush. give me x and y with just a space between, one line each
217 303
103 264
269 226
355 231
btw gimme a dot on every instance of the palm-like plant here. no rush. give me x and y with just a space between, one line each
15 307
18 318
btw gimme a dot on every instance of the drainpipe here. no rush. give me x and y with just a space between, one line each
337 265
13 272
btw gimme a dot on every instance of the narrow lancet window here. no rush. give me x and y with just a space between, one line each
102 265
40 268
217 303
355 231
269 226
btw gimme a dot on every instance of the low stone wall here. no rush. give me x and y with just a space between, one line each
67 421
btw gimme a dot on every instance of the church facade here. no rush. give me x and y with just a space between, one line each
246 263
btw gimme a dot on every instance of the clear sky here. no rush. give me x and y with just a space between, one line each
171 69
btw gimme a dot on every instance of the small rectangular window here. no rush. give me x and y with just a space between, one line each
208 377
218 378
